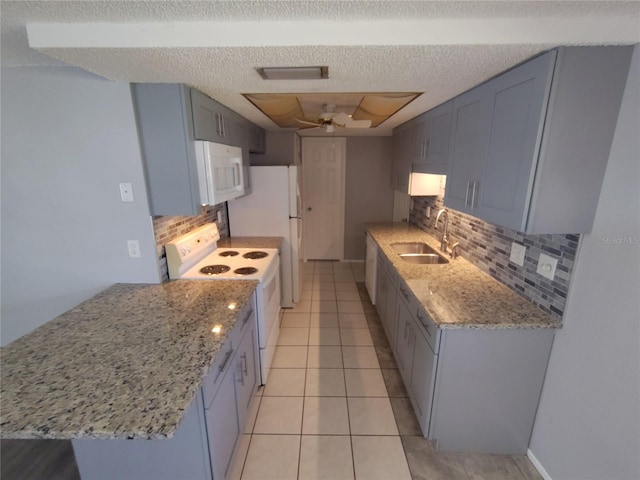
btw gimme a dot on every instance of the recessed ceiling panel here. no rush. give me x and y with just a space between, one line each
290 110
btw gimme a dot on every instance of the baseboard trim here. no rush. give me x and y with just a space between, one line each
536 463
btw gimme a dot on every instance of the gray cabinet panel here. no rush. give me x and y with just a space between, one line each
165 128
519 99
438 138
488 384
206 117
185 455
246 371
422 380
223 429
404 342
468 148
537 138
583 112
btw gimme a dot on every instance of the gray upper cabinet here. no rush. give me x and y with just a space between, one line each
165 128
529 148
431 136
170 118
422 145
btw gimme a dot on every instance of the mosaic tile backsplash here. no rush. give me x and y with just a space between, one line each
488 247
167 228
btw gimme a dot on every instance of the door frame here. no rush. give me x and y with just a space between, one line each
339 142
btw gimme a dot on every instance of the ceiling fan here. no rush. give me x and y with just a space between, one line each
328 119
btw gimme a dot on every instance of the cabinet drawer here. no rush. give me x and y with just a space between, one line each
427 326
225 356
217 371
422 319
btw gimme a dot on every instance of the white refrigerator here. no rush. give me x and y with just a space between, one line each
273 209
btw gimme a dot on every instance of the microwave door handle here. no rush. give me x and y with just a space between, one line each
237 169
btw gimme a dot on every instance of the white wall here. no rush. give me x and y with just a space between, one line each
588 421
68 140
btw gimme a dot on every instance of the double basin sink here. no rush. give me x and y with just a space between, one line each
418 252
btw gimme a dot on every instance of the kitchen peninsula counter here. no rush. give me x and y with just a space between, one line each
457 294
124 364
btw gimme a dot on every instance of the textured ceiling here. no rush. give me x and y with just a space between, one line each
369 46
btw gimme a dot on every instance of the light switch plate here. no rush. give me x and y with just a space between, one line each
134 248
517 253
547 266
126 192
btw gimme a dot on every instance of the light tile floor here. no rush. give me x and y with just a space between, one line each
335 407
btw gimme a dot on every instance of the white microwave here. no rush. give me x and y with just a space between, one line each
220 172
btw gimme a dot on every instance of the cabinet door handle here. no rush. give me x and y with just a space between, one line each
227 357
246 319
466 198
422 320
224 130
405 294
244 364
473 195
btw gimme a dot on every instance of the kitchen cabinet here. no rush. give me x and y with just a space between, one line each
529 147
229 393
488 384
472 390
386 297
258 142
431 136
416 337
170 117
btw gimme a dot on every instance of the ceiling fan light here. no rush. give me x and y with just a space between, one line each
330 128
293 73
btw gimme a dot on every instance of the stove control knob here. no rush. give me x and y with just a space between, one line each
188 248
183 250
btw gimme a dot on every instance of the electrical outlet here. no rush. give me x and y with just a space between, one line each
517 253
428 211
547 266
134 248
219 216
126 192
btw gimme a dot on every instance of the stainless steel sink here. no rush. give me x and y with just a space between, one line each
418 252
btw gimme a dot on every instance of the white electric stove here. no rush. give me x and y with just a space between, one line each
196 256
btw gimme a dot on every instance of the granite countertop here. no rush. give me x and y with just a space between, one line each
126 363
457 294
250 242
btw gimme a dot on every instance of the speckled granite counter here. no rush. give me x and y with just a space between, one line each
457 294
124 364
250 242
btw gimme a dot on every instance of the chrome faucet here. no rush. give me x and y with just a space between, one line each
445 234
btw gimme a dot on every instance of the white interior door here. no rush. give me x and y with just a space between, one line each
323 182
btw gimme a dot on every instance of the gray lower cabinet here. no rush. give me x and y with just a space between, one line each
472 389
488 384
203 446
386 298
536 138
415 355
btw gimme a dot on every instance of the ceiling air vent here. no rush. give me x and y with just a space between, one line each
293 73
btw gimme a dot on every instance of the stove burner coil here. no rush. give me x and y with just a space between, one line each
214 269
255 255
228 253
245 271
